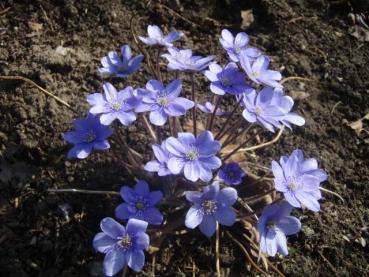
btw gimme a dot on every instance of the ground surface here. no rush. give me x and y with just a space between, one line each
50 235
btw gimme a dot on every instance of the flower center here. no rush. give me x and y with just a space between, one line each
125 242
258 110
255 74
292 185
140 205
163 101
238 49
89 137
209 206
116 106
270 225
192 155
226 82
231 174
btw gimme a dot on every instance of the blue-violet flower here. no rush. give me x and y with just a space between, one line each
209 108
299 180
194 157
270 108
160 165
140 203
183 60
122 246
258 71
227 80
274 224
234 45
116 66
89 134
114 104
210 207
156 37
231 173
163 102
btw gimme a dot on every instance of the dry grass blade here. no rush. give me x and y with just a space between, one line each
294 78
20 78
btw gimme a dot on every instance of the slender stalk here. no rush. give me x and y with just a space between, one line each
149 128
217 102
217 260
85 191
217 137
158 72
194 100
232 138
233 127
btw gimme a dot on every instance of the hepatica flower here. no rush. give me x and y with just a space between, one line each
209 207
160 165
209 108
227 80
275 223
194 157
183 60
258 71
163 102
113 104
231 174
122 246
299 180
89 134
156 37
114 65
270 108
234 45
140 204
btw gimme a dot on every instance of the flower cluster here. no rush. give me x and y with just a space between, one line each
195 163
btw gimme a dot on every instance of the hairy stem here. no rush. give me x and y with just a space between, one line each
219 135
194 100
217 102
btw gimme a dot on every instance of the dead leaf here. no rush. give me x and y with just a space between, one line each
34 26
357 125
299 95
247 18
360 33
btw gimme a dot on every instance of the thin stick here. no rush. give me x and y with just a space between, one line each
217 102
5 11
229 130
231 138
333 193
149 128
228 119
217 260
294 78
158 72
37 86
274 140
247 207
85 191
246 253
194 100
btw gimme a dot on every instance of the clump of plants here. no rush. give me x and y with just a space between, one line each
199 176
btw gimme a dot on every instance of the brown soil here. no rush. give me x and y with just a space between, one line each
45 234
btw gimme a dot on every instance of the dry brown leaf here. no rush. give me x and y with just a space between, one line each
357 125
299 95
247 18
34 26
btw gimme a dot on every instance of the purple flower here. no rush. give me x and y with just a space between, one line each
270 108
194 157
273 226
122 246
114 104
234 45
209 108
184 61
227 80
140 203
156 36
113 65
163 102
209 207
89 134
231 174
160 165
258 71
299 180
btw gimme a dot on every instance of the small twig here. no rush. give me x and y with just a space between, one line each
335 106
37 86
149 128
247 207
219 135
4 11
246 254
194 100
294 78
333 193
217 261
265 144
217 102
85 191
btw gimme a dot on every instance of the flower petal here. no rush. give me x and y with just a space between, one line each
153 216
193 218
103 243
225 216
208 226
114 261
136 260
136 226
227 196
142 188
289 225
122 211
112 228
